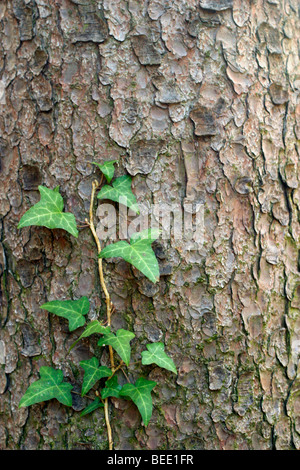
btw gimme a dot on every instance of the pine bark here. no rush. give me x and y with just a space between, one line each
199 101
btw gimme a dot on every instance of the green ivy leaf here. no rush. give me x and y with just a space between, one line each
120 343
121 187
92 407
72 310
138 253
140 394
48 213
94 327
112 388
49 386
107 169
156 355
92 373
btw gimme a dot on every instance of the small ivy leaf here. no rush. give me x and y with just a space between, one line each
112 388
72 310
92 373
92 407
107 169
156 355
140 394
48 212
49 386
121 192
120 343
94 327
138 253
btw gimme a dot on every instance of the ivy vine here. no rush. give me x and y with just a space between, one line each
48 212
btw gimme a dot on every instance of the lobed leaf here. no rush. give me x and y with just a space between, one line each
92 373
107 169
92 407
156 355
121 192
49 386
138 253
112 388
72 310
94 327
140 394
120 342
48 213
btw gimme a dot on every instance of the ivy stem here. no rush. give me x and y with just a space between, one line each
109 432
109 306
85 396
116 368
126 376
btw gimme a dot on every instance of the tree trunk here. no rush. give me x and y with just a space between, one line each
199 101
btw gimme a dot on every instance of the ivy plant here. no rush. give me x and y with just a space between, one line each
93 373
49 386
107 168
120 190
139 253
100 381
112 388
97 403
140 394
73 310
48 212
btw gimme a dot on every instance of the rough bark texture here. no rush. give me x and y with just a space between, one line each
199 100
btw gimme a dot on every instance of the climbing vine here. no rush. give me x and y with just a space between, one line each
48 212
